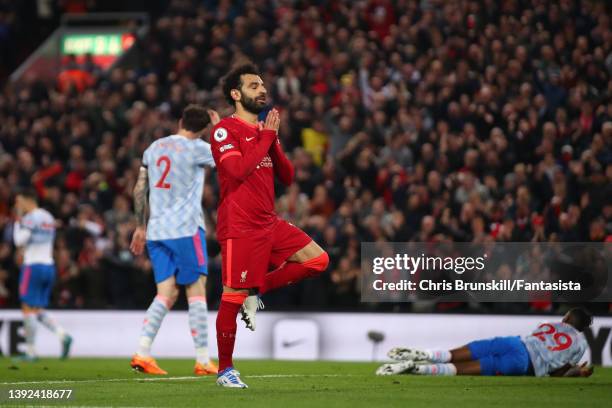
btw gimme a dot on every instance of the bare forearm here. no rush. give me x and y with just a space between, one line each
140 207
561 371
141 190
570 370
579 371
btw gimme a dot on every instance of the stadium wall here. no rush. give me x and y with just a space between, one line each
301 336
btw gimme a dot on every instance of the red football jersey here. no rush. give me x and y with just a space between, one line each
247 158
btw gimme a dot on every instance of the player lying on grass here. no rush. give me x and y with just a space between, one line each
34 230
170 184
254 240
552 349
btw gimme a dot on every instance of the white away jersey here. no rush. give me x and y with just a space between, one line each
553 345
36 232
176 181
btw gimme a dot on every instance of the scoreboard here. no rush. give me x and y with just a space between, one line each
96 44
104 47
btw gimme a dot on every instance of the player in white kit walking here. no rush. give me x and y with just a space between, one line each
169 191
553 349
34 230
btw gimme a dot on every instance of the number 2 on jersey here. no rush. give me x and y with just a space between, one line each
162 180
562 340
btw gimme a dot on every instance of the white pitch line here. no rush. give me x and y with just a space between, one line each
75 406
99 380
154 379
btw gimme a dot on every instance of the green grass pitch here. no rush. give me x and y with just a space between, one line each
110 382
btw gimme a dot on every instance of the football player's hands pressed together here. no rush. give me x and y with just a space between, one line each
138 241
272 121
283 169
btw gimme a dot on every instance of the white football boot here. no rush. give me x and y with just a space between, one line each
403 367
403 354
248 310
230 378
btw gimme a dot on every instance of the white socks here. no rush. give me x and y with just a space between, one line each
50 324
198 323
154 317
438 356
436 369
29 326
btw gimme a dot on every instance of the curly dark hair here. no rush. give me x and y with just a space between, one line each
580 318
233 79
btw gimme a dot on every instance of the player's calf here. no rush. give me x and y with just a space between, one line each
231 302
153 319
65 339
294 271
198 323
30 326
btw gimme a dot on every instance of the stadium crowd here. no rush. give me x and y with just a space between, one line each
406 120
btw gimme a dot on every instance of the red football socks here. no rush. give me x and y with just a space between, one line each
226 326
292 272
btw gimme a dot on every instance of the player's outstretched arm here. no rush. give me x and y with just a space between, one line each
140 209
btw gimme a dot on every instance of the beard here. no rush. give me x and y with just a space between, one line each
252 105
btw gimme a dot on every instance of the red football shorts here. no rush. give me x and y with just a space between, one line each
245 261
